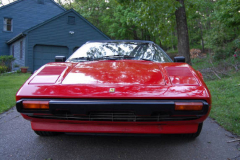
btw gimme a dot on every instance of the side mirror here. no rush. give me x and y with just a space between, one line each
60 58
179 59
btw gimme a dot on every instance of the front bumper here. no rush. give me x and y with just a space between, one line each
88 109
140 116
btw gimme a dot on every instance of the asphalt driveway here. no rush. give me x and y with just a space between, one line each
18 141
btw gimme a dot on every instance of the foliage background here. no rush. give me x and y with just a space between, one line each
213 25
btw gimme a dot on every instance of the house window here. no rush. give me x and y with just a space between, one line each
21 49
40 1
13 50
7 24
71 20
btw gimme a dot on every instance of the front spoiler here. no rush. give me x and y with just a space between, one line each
172 127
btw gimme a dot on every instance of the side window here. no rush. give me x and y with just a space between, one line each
7 25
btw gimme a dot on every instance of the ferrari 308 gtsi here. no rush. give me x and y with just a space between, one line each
116 87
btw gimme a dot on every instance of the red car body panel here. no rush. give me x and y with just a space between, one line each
132 79
130 128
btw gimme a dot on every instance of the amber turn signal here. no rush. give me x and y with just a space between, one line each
36 104
191 106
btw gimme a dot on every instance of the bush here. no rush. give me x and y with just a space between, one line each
237 42
16 65
3 69
7 61
225 52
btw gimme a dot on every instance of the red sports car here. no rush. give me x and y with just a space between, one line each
116 87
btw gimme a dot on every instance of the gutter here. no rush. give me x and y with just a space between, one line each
17 37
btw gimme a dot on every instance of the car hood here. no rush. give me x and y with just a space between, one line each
115 72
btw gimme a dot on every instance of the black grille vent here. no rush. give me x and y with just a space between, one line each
117 117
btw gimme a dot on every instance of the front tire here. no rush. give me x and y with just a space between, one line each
44 133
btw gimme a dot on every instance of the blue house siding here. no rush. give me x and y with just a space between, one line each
57 33
25 14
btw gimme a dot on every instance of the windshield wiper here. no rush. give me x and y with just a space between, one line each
115 57
82 59
112 57
129 57
145 59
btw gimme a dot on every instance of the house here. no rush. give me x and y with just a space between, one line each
62 34
23 14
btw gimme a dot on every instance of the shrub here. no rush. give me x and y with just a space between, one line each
16 65
3 69
237 42
7 61
225 52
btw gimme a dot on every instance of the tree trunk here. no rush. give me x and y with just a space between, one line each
135 36
182 32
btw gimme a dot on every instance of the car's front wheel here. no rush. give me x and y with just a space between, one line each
44 133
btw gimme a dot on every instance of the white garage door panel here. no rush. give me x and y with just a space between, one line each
44 54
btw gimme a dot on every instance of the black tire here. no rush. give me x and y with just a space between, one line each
194 135
44 133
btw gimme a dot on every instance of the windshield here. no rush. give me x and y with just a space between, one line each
119 50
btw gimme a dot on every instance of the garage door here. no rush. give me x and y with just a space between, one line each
44 54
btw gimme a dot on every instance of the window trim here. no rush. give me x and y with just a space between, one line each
6 24
21 49
13 50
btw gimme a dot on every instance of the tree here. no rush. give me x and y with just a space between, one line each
172 24
198 13
182 32
157 16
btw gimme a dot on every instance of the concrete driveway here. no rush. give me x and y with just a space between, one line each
18 141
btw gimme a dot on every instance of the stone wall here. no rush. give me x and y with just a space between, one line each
18 60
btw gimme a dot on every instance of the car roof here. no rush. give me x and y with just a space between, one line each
120 41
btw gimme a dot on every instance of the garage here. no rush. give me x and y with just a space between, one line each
56 36
46 53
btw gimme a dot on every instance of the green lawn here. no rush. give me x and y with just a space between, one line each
9 85
225 91
226 102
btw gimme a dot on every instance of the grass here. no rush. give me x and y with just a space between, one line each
226 102
199 64
213 69
9 85
225 91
